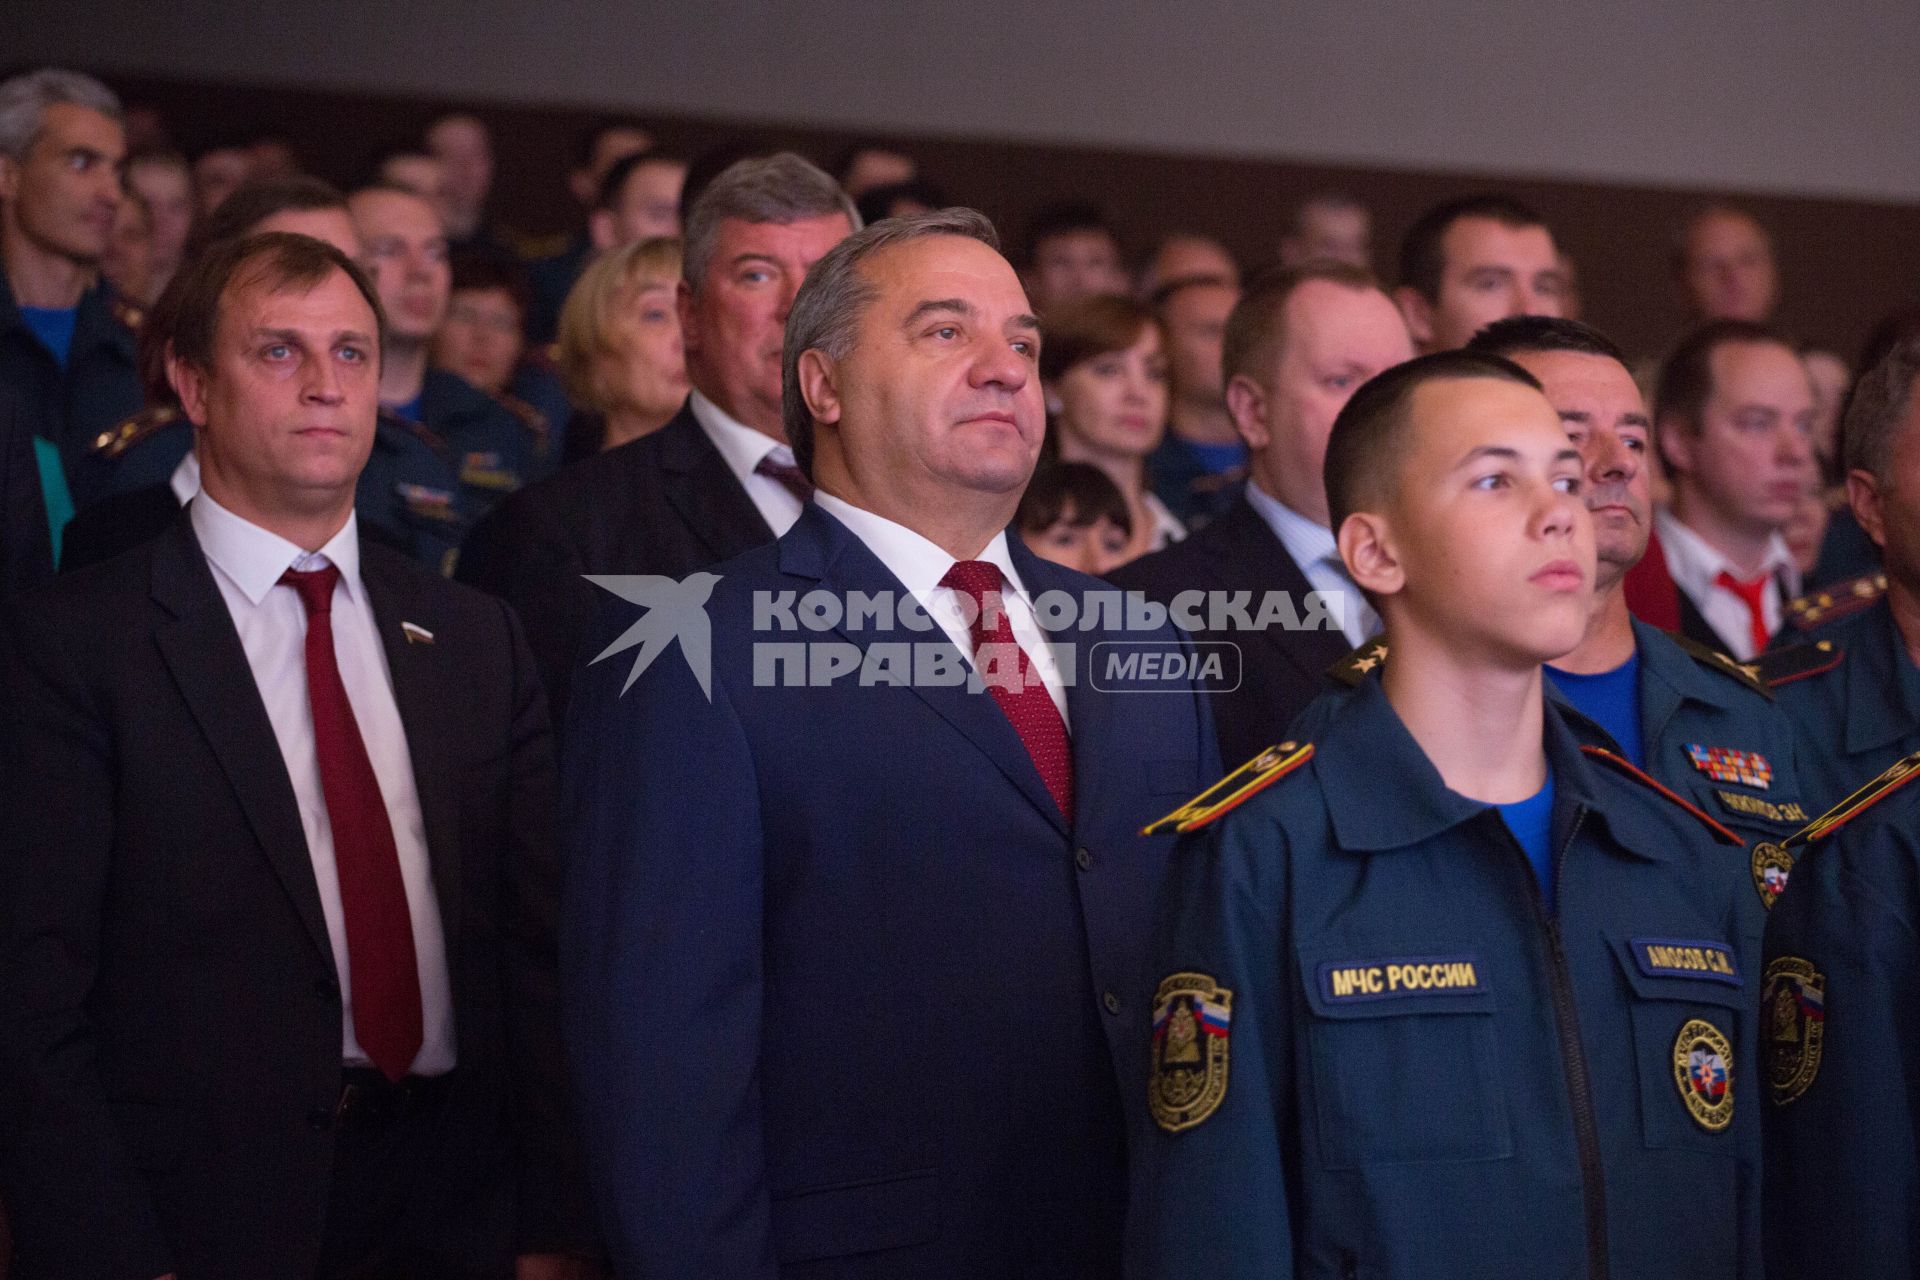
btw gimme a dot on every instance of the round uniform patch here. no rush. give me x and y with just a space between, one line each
1793 1008
1771 867
1703 1071
1187 1080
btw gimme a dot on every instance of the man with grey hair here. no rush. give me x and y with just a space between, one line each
854 972
66 341
718 479
1847 665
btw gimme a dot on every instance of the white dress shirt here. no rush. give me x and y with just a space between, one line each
920 564
1313 548
1167 528
1694 566
743 448
247 563
185 480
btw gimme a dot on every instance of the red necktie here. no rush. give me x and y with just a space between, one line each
793 478
384 975
1023 698
1753 592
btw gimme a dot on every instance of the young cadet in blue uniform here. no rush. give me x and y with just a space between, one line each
1840 1050
1443 992
1693 718
1848 667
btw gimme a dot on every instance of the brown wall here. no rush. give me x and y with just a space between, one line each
1845 263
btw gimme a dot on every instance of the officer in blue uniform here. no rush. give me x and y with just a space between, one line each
1844 665
1443 991
1840 1049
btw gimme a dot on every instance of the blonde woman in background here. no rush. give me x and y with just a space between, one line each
620 352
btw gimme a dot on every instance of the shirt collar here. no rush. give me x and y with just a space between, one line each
1307 542
738 443
1695 564
918 563
185 480
254 558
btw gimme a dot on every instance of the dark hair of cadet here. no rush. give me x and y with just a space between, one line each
1077 492
1368 438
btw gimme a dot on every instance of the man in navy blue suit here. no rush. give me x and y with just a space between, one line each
854 972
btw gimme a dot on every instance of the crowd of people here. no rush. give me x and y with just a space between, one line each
802 738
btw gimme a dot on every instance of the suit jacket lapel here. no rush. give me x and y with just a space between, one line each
425 690
822 548
703 489
203 651
1257 561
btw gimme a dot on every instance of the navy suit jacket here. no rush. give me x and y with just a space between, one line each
845 993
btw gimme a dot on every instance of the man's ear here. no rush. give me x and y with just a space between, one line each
1417 312
819 377
600 230
581 183
189 383
1863 495
1675 443
9 178
1367 547
1247 403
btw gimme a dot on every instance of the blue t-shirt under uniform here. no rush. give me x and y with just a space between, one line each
1531 821
1610 699
54 327
410 410
1216 459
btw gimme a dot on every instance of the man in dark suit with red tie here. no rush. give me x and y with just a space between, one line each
276 881
855 976
718 479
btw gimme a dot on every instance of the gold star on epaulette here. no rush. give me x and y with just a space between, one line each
114 442
1353 668
129 315
1838 601
1233 790
1747 673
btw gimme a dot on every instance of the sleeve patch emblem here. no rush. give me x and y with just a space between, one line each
1187 1077
1771 867
1703 1072
1793 1011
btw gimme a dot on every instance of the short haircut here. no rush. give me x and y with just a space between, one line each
587 318
1523 335
1078 331
1683 230
782 188
615 181
1368 442
1165 293
487 268
159 158
1423 261
826 312
1062 218
588 139
26 98
1297 217
878 202
1881 400
278 259
255 201
1257 325
1685 381
1077 492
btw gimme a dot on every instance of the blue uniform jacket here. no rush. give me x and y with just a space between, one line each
1840 1010
1425 1074
1853 693
845 994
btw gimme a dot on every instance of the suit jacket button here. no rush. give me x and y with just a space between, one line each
320 1119
1112 1002
1083 859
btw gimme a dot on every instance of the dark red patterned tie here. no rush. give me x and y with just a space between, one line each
1752 593
1018 690
384 975
793 478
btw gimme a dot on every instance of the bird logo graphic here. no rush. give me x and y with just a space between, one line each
675 610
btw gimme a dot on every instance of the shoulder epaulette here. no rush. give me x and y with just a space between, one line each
530 417
110 445
1902 772
1251 778
127 314
1798 662
1746 673
1353 668
424 434
1838 601
1620 764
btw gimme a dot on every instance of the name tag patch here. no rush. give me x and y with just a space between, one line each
1755 807
1681 958
1351 981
